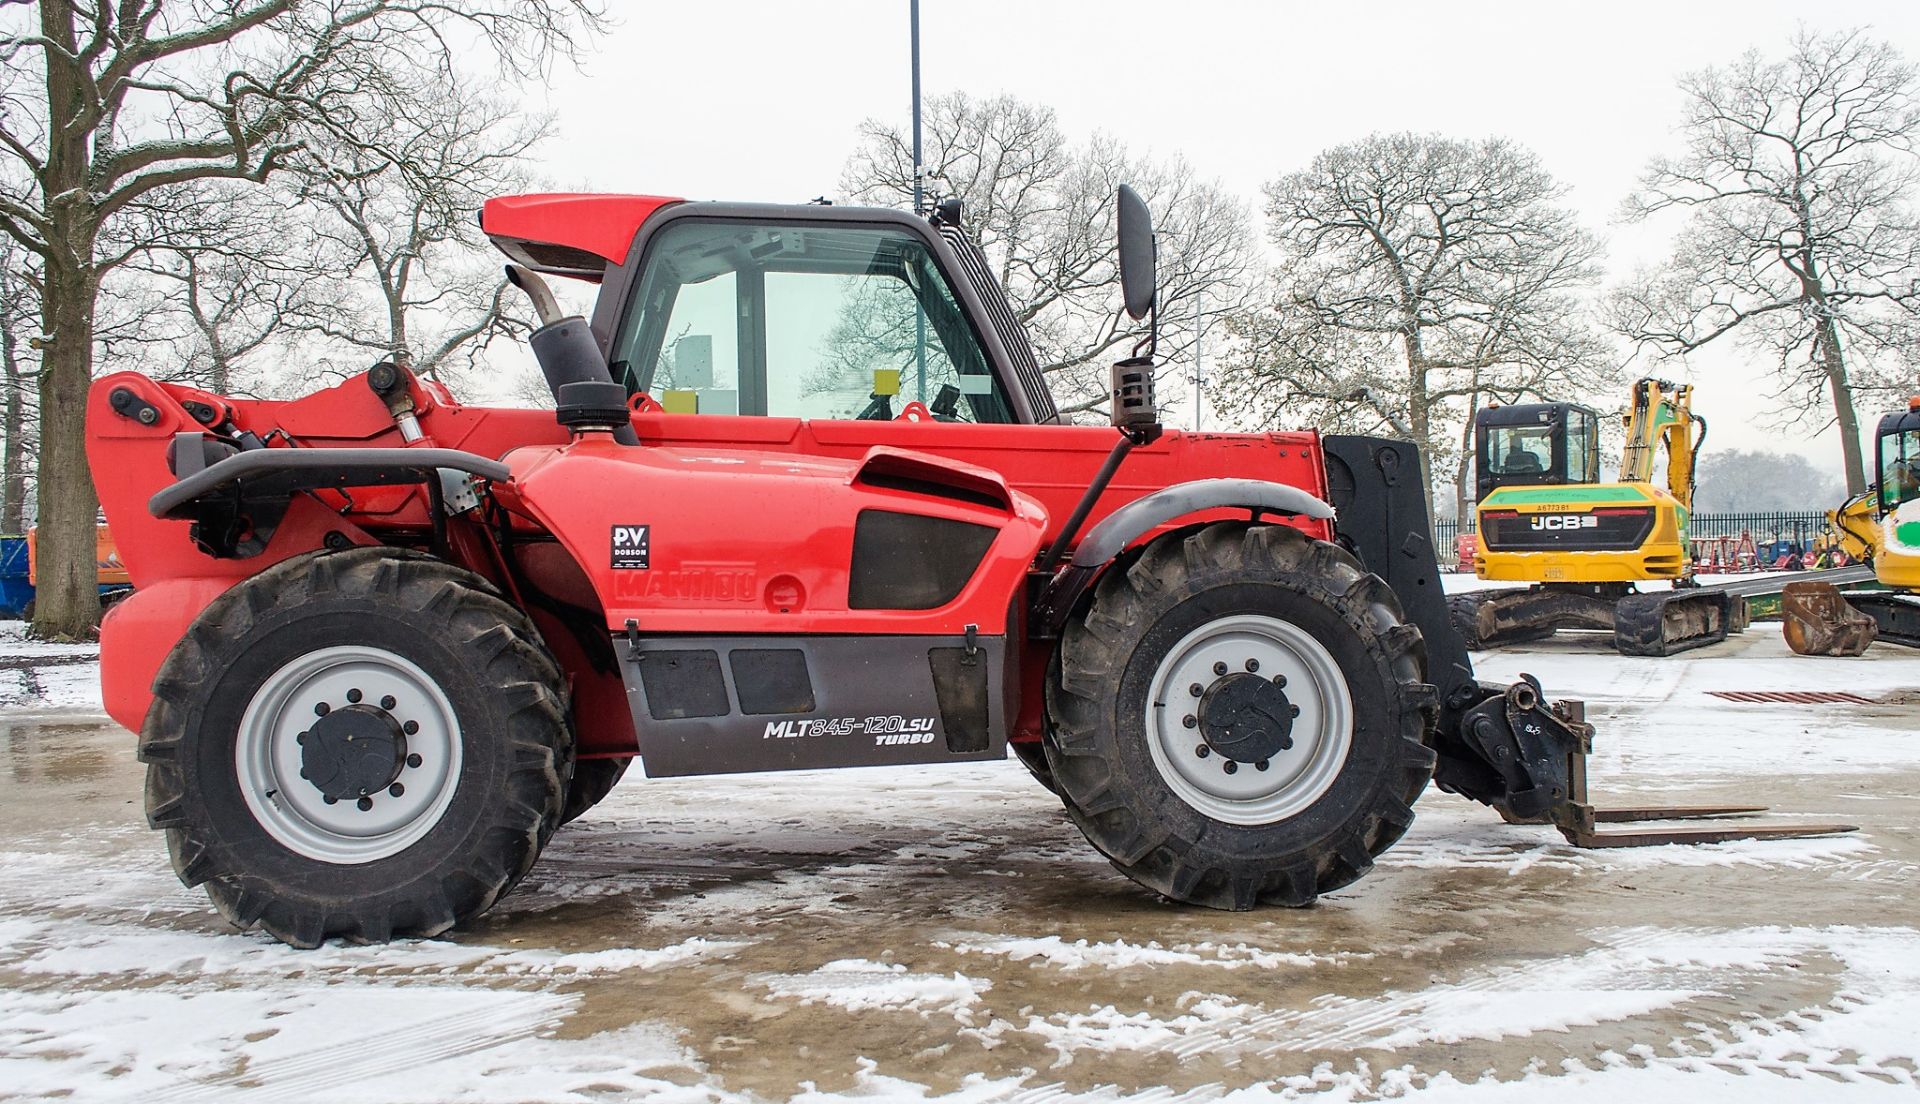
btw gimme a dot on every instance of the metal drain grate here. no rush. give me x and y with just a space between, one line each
1794 697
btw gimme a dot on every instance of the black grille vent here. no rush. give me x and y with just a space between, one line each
911 562
1614 530
1012 336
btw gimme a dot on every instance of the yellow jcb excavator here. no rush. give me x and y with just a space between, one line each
1545 518
1821 619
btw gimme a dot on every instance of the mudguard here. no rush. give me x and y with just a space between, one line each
1150 512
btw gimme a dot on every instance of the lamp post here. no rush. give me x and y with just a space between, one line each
919 203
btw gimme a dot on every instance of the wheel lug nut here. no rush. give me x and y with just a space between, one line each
1253 665
1219 668
1196 690
365 804
354 696
300 739
389 702
1203 751
1294 709
1280 680
1190 720
1230 767
410 727
1286 743
396 790
329 799
1261 765
413 760
322 709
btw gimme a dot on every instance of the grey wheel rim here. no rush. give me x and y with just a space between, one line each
268 755
1307 682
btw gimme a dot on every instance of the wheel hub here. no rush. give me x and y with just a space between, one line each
348 754
353 751
1247 718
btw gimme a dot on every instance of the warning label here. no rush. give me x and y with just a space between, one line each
630 547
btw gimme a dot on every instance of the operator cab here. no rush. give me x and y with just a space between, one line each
1899 458
1535 444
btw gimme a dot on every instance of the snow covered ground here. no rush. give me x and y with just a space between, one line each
944 934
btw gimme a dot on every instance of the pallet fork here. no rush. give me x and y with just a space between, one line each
1507 747
1550 749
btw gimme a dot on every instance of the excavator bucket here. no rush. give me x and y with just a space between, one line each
1550 742
1818 621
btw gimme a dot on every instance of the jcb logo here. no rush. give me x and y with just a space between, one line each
1564 521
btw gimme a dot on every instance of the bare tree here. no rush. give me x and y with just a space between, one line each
18 312
412 278
1418 276
1041 207
107 104
225 272
1800 238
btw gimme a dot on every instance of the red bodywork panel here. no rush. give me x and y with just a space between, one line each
603 225
752 518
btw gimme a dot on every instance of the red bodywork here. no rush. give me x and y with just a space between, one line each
751 516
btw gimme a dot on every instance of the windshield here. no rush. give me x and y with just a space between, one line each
1899 468
802 321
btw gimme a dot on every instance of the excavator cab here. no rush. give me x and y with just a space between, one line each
1898 452
1535 444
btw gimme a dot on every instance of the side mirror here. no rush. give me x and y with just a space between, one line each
1137 277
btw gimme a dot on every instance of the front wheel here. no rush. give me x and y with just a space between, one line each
1240 717
365 743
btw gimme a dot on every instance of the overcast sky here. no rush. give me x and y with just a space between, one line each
732 99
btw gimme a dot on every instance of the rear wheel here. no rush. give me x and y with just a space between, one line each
1240 718
364 743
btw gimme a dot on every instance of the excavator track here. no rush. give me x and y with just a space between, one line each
1895 614
1657 623
1667 622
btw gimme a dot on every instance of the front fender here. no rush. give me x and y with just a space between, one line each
1143 515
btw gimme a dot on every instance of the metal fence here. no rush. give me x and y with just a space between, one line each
1801 527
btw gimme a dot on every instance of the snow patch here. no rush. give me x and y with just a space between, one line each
1118 954
861 985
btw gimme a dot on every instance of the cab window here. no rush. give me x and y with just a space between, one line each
802 321
1583 447
1899 468
1520 450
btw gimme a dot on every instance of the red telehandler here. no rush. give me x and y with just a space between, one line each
805 502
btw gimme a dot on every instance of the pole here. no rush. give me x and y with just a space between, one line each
919 201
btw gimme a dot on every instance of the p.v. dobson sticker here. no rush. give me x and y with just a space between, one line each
630 547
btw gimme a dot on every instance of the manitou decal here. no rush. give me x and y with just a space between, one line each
1563 521
886 731
632 545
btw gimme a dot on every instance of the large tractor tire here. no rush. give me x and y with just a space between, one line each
593 780
1240 717
1034 758
365 744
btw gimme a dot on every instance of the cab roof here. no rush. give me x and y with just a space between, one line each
568 233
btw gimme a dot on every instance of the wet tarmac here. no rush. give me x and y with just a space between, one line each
945 932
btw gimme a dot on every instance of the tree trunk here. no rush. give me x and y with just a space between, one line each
1463 486
13 422
1845 418
66 582
13 456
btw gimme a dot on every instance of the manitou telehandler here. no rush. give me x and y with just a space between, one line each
1546 518
384 643
1884 524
